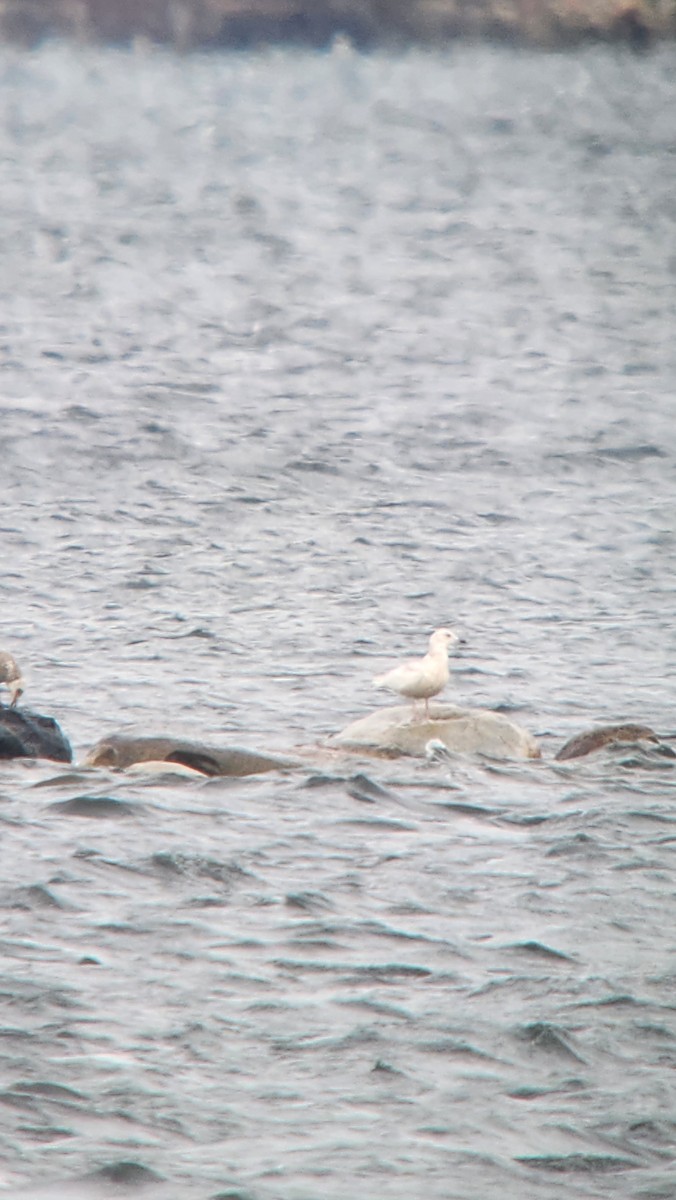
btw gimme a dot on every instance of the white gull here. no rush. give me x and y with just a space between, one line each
422 678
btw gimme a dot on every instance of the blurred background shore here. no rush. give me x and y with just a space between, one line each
193 24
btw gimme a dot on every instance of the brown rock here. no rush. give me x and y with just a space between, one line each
605 735
119 751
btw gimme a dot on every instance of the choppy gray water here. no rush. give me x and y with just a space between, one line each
303 355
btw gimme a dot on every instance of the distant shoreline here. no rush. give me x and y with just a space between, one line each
220 24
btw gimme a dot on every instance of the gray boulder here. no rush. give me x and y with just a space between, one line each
392 731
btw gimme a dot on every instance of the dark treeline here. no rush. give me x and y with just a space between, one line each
189 24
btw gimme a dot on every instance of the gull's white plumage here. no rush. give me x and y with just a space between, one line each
424 677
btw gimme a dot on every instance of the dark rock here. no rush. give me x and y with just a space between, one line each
25 734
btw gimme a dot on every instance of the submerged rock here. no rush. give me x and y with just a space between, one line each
119 751
25 734
467 730
606 735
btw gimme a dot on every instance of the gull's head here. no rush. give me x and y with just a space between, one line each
443 639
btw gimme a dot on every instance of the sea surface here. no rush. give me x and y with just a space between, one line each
303 355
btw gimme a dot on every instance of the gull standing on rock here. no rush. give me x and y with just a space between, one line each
11 675
422 678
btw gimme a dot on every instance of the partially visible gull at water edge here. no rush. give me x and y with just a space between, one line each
10 675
